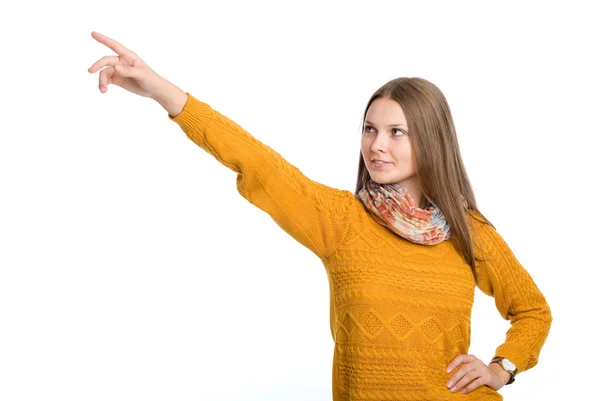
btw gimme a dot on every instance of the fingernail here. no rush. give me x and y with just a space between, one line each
453 389
449 384
448 369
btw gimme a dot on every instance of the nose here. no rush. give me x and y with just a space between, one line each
379 143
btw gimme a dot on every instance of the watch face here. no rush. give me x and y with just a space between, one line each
508 365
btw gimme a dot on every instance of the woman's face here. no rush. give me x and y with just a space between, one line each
384 137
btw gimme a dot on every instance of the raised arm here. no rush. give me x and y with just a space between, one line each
517 298
314 214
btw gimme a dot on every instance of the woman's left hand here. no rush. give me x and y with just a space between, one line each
474 373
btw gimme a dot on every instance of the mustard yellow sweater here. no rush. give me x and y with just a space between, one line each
400 311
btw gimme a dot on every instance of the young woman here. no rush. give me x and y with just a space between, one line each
403 253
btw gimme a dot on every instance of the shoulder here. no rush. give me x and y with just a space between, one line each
476 219
484 235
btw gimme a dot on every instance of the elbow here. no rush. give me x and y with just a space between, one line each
549 317
544 316
545 313
537 317
544 322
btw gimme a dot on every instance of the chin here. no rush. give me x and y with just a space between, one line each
382 181
384 178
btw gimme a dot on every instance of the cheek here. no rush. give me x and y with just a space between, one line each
403 154
364 147
404 158
414 162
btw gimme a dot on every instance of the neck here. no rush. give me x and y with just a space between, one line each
415 192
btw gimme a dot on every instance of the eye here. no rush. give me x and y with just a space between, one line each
368 127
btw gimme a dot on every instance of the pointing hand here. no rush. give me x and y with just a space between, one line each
126 70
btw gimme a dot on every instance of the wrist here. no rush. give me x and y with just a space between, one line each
171 98
502 374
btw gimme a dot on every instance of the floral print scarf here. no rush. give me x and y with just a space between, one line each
392 206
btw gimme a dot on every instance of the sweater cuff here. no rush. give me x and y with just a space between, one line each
193 113
515 355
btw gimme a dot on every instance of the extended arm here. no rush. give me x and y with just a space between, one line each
315 214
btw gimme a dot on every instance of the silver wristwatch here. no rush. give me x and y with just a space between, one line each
507 365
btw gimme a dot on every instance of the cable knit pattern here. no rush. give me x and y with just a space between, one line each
399 311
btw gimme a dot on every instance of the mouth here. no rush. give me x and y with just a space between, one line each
378 163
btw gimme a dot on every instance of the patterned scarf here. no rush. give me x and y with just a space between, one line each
392 206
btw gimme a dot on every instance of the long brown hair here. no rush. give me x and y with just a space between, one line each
440 169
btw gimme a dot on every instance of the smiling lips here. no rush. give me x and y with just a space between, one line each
379 163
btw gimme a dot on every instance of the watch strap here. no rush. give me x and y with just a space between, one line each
512 374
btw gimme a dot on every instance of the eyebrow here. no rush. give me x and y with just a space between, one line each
391 125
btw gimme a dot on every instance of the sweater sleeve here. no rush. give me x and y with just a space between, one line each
517 298
314 214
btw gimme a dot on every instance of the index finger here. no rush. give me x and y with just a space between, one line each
459 359
111 43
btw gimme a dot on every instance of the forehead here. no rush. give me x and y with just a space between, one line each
385 111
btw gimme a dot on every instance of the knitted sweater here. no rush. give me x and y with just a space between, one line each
399 311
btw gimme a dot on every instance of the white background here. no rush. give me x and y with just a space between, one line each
130 267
